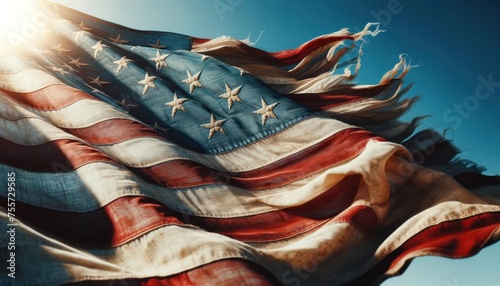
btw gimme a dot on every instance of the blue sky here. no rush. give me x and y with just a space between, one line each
454 42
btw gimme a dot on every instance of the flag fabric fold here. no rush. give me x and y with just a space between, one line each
154 158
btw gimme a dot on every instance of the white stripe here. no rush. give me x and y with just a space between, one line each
11 110
28 80
387 99
331 254
8 59
26 128
22 132
81 114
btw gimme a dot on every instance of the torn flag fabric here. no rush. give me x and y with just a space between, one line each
150 158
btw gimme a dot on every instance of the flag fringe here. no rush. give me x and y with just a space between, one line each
312 69
309 73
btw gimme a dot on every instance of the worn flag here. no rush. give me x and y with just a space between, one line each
151 158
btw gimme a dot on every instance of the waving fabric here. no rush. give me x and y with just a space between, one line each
152 158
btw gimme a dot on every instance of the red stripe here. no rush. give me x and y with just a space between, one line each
113 131
332 151
285 57
457 239
362 217
52 97
305 49
199 41
127 218
48 156
288 222
325 101
118 222
55 97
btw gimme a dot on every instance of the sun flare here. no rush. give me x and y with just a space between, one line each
22 19
13 12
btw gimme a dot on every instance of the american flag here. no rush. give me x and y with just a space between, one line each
151 158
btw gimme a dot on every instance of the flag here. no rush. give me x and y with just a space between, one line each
152 158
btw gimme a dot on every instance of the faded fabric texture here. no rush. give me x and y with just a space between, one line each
153 158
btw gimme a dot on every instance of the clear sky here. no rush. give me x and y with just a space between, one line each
455 44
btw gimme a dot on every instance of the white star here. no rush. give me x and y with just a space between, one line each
214 126
99 47
231 95
193 81
60 48
82 26
160 60
156 126
79 34
122 63
77 63
59 70
70 68
118 40
98 81
176 104
204 57
128 104
94 90
148 82
157 45
242 71
266 111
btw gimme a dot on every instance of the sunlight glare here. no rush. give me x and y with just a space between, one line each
12 13
21 20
